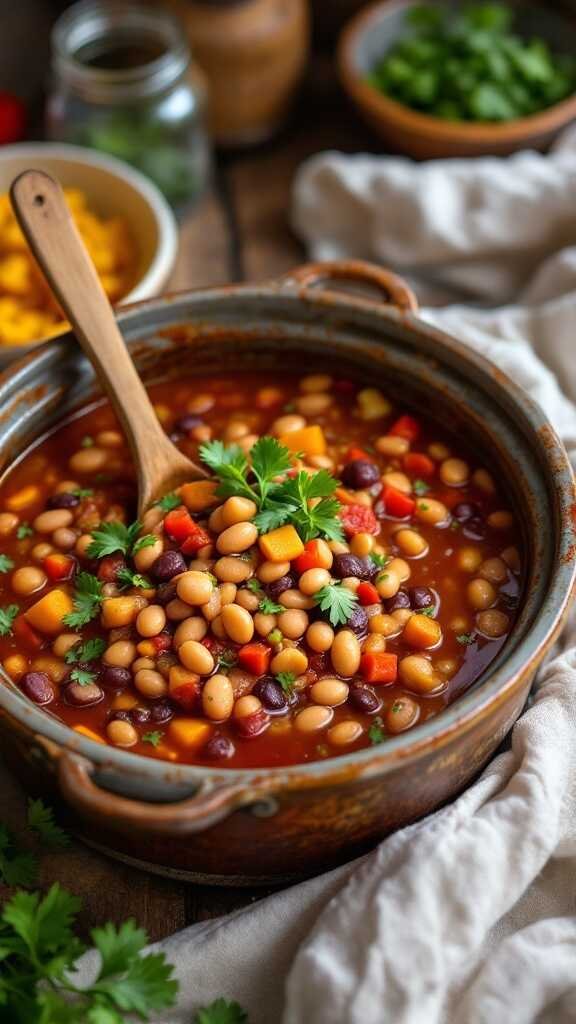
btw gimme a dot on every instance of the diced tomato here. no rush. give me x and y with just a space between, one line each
162 642
407 427
358 519
255 658
209 642
419 464
397 504
310 558
367 594
379 667
27 636
180 526
354 453
58 566
186 695
109 566
198 539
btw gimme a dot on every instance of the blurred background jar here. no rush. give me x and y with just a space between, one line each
123 82
253 53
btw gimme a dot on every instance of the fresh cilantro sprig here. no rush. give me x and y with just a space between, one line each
466 639
85 650
379 560
82 492
254 585
24 530
221 1012
376 732
126 578
287 681
39 950
87 599
6 563
230 465
420 487
112 537
7 616
338 601
154 738
269 607
227 659
169 502
291 501
82 676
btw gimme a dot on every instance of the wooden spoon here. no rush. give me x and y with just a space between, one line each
47 224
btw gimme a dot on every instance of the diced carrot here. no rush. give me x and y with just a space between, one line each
422 632
379 667
89 734
367 594
266 398
58 567
311 558
25 634
184 686
23 498
47 615
15 665
346 497
124 701
281 545
397 504
255 658
419 464
407 427
189 733
309 440
199 495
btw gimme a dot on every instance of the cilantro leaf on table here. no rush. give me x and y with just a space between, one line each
269 607
86 601
40 819
221 1012
24 530
6 563
287 681
17 867
338 601
7 616
112 537
85 650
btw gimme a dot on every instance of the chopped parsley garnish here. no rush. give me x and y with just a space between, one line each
24 530
7 616
269 607
169 502
376 732
338 601
428 610
85 650
87 600
82 676
82 492
422 506
379 560
287 681
126 578
227 659
155 738
466 638
87 442
108 538
6 563
254 585
278 502
420 487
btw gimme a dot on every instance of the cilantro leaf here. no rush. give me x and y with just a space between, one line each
291 501
269 607
466 638
41 821
254 585
154 738
169 502
287 681
143 542
7 616
6 563
82 492
269 460
428 610
376 732
24 530
108 538
420 487
82 676
227 659
86 601
126 578
230 465
85 650
379 560
338 601
221 1012
131 982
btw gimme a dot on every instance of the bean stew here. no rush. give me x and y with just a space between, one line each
348 571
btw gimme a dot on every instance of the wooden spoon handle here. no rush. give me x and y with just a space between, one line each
46 222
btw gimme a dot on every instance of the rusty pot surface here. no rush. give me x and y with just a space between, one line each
245 826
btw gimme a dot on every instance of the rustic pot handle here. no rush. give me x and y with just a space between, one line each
209 804
396 291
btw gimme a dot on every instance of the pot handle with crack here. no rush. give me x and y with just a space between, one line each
211 803
321 275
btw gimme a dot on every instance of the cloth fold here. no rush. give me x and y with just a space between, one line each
467 917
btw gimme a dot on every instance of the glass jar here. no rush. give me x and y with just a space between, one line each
123 83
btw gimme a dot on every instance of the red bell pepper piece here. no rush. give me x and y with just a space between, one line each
178 524
397 504
27 636
311 558
58 567
419 464
199 538
367 594
407 427
358 519
255 658
379 667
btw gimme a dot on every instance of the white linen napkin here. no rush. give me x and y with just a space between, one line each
468 917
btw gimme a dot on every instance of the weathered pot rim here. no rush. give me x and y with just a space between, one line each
458 717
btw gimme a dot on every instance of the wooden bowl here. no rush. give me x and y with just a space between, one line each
373 31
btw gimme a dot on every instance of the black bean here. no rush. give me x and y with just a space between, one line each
187 423
218 748
364 699
83 696
400 600
271 694
422 597
278 587
358 621
360 473
475 528
37 687
115 678
140 715
167 565
165 593
351 565
465 510
162 712
120 716
63 500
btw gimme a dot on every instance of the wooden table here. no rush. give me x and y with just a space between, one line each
239 231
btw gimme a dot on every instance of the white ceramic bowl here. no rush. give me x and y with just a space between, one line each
112 188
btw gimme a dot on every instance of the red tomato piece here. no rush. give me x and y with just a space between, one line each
367 594
419 464
186 695
12 118
27 636
379 668
358 519
407 427
255 658
310 558
59 567
199 538
354 453
179 524
397 504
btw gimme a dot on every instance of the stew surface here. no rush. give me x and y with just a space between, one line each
347 573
